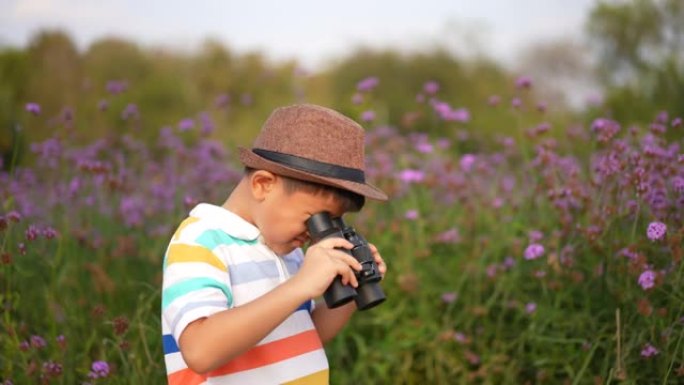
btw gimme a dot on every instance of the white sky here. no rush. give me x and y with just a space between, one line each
312 31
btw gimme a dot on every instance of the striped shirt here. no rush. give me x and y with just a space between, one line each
215 261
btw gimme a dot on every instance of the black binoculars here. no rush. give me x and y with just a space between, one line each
368 293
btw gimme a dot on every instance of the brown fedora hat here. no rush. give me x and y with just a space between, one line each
315 144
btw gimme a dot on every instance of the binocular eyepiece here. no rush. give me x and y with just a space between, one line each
368 293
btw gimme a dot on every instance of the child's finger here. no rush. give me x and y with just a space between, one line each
348 276
382 266
334 242
348 260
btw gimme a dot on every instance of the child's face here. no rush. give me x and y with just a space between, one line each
281 217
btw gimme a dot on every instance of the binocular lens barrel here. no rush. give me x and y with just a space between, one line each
369 293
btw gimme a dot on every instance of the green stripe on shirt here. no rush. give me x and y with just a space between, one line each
213 238
188 286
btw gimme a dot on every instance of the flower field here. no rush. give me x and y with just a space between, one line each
543 254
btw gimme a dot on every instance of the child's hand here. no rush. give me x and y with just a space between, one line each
323 262
382 266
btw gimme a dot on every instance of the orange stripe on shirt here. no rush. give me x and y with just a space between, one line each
317 378
188 253
272 352
186 377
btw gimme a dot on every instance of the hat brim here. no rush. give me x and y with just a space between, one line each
250 159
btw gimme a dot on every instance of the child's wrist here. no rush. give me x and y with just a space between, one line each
299 289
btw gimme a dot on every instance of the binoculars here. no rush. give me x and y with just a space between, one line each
368 293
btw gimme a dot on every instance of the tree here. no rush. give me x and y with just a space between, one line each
641 50
13 80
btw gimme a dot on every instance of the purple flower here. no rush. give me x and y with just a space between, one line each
540 274
494 100
357 98
49 233
50 151
207 123
222 100
656 231
534 251
61 341
38 342
516 102
14 216
431 87
530 307
99 369
676 122
130 112
647 279
523 82
246 99
630 254
542 106
535 236
424 147
32 233
649 351
658 128
678 184
33 108
189 201
446 113
443 143
115 87
132 209
605 129
460 337
449 297
52 368
467 161
662 117
367 84
368 116
103 105
411 176
461 115
186 125
411 215
449 236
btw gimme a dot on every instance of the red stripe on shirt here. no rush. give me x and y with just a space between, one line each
272 352
186 377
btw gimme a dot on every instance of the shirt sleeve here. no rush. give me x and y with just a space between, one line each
196 284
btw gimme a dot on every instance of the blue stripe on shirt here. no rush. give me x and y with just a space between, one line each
252 271
170 345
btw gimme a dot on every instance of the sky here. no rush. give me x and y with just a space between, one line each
315 32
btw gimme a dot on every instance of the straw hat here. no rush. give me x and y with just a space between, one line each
315 144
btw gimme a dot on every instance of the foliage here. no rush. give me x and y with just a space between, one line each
543 253
641 45
119 77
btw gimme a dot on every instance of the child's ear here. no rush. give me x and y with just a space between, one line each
262 182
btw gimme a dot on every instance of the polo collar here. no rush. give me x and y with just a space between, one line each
227 221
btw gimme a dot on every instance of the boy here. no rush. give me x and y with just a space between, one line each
237 296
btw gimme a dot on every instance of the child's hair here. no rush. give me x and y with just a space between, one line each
351 202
